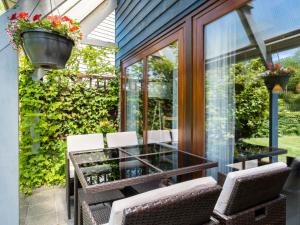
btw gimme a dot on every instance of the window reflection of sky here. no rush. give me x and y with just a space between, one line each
270 19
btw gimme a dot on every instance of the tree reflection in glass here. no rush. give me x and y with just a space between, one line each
163 89
134 99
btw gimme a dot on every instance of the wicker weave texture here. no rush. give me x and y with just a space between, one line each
95 215
188 209
254 190
270 213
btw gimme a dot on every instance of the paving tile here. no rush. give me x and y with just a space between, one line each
46 207
41 197
62 219
22 221
23 211
42 208
45 219
23 200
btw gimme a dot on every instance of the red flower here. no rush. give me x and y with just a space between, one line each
55 20
37 17
73 29
23 15
13 16
277 66
67 19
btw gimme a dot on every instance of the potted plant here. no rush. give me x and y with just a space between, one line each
46 41
277 77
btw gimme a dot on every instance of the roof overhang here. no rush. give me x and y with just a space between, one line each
8 3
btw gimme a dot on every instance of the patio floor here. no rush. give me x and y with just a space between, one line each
45 207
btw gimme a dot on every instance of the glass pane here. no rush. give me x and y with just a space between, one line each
237 48
113 170
172 160
163 95
101 155
237 100
134 99
147 149
289 104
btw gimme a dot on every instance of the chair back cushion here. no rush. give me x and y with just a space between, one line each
157 203
121 139
174 133
293 182
248 188
85 142
81 143
157 136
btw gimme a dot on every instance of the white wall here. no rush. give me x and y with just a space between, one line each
9 146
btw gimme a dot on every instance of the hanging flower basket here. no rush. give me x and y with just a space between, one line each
47 42
277 77
47 49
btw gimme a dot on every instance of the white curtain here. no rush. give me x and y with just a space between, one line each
221 38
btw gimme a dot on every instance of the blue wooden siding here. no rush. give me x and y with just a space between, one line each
138 21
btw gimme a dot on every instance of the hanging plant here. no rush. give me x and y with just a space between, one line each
277 77
46 41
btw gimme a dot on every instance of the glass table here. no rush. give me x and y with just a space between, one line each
245 152
117 168
248 156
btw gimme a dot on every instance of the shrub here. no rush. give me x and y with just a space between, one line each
251 98
62 104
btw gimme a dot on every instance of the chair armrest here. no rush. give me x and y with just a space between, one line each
219 216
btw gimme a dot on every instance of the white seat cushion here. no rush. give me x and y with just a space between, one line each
85 142
174 135
121 139
71 170
157 136
119 206
232 178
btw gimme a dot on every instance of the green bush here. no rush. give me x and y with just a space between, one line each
251 98
62 104
288 125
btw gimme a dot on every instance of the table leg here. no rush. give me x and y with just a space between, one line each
244 164
271 159
75 199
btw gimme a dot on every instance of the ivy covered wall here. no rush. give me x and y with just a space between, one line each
65 102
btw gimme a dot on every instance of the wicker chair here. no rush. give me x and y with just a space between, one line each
81 143
292 191
187 203
253 197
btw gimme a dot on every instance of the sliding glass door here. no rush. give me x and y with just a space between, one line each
162 112
151 94
237 49
134 99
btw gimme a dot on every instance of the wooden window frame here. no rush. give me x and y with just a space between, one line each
191 88
142 55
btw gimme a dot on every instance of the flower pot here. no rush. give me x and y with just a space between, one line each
47 49
272 80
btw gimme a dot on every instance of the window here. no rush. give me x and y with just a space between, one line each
150 97
237 47
134 99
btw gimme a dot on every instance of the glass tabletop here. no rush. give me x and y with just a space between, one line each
116 166
115 169
98 155
148 149
172 160
246 151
